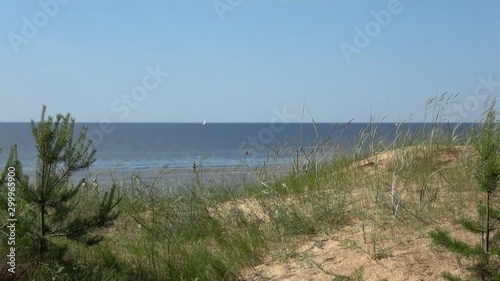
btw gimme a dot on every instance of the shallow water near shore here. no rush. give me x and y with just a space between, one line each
222 151
181 178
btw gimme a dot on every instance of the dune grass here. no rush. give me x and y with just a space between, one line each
210 231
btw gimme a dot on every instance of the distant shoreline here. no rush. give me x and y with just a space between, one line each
178 177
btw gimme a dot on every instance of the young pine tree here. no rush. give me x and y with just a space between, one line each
12 162
487 174
52 194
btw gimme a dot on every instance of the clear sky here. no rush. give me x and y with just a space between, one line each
244 60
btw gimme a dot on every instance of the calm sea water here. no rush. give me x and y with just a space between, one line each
136 146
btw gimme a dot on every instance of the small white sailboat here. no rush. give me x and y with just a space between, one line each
204 122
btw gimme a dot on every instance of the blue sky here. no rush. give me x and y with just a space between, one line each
247 62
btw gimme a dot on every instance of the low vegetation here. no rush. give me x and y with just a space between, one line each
363 204
487 174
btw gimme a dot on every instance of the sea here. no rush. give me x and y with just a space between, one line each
125 148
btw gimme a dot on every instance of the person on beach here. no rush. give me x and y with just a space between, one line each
194 166
246 156
95 184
